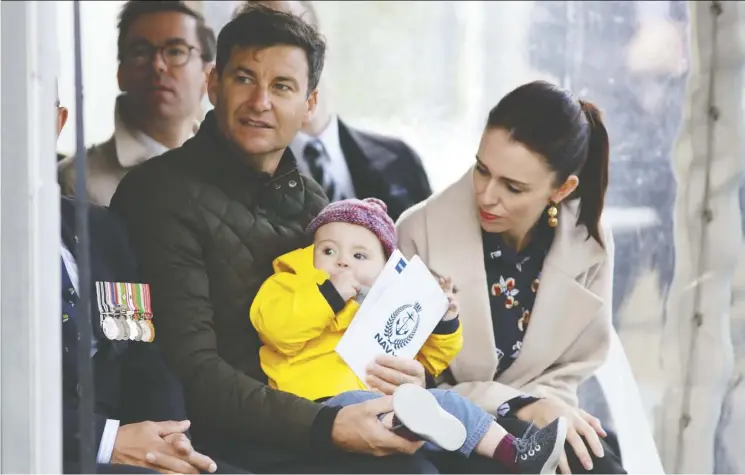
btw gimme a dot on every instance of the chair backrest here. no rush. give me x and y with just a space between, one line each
621 394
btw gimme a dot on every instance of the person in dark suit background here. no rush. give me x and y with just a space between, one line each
132 385
348 162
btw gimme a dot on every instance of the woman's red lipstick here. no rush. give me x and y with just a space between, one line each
487 216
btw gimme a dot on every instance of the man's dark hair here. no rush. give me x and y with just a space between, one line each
257 25
134 9
310 15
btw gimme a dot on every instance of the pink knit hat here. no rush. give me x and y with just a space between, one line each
370 213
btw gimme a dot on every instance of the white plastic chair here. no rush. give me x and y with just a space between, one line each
635 437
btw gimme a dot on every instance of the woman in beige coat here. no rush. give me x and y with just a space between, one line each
521 237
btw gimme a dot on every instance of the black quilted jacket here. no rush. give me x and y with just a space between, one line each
206 228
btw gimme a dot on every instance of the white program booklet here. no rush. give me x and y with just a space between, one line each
390 273
399 317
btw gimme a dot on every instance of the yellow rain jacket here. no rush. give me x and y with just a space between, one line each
300 331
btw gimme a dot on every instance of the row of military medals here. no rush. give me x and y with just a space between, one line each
125 311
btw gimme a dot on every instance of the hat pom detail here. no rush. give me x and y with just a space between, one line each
378 203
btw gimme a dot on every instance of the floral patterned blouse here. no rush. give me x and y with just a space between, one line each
513 279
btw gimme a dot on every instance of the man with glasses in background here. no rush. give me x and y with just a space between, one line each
166 52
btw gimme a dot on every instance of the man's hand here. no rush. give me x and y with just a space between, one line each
183 446
345 283
146 444
389 372
357 429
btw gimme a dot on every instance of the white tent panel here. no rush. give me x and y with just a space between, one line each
697 346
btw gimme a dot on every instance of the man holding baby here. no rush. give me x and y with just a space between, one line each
207 220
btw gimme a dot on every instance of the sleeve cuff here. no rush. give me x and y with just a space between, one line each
320 431
447 327
332 296
510 408
106 447
429 380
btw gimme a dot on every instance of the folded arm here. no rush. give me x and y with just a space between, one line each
150 391
104 434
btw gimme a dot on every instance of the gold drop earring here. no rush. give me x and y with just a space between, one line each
553 213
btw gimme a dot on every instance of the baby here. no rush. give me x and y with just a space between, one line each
302 311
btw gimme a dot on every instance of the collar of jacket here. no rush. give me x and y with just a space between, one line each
542 239
133 146
224 158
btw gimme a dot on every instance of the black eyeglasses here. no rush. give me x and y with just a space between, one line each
174 55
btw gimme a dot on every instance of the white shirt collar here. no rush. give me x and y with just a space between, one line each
330 138
134 146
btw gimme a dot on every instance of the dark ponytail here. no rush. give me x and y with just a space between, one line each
593 177
568 133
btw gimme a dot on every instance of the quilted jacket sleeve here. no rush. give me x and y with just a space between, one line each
167 235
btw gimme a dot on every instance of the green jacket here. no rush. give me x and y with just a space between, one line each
206 228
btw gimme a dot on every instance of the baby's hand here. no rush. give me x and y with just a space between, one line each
345 283
446 284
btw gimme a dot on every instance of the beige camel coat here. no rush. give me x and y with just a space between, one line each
569 332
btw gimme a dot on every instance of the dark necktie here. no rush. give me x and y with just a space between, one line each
317 160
